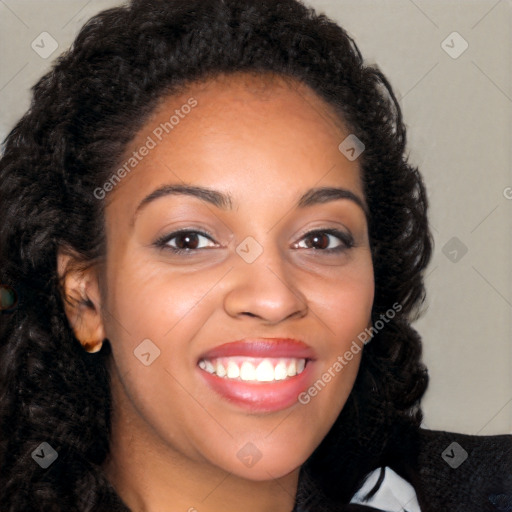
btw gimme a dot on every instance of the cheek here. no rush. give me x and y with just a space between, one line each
346 300
343 307
157 313
148 302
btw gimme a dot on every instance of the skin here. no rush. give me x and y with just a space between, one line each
175 441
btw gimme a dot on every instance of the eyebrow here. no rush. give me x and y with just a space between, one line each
224 201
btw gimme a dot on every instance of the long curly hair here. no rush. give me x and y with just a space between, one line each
83 114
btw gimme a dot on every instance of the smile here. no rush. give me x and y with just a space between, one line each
254 369
260 375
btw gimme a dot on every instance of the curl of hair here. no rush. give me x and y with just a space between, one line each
83 114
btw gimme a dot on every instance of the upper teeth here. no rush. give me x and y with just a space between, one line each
253 368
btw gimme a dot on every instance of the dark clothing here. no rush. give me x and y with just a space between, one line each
450 472
482 482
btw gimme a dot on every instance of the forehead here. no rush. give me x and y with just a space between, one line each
242 129
255 95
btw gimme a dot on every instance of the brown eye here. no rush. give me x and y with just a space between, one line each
321 239
318 241
185 241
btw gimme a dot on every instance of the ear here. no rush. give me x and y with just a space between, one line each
82 301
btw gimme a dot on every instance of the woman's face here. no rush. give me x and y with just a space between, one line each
200 370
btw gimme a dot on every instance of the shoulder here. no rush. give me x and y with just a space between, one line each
463 472
453 471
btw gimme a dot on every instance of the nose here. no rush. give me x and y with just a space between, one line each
264 289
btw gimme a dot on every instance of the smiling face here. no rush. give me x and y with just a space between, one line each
274 245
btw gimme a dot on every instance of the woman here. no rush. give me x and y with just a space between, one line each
217 247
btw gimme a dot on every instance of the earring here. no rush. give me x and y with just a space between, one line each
92 346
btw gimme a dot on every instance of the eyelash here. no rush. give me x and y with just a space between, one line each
345 238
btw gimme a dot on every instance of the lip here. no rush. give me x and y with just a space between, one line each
261 347
261 396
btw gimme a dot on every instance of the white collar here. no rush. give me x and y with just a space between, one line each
394 495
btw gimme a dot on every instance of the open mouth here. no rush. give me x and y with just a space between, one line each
258 374
254 369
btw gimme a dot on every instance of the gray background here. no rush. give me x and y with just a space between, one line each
458 111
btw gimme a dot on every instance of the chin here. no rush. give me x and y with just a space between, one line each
267 463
